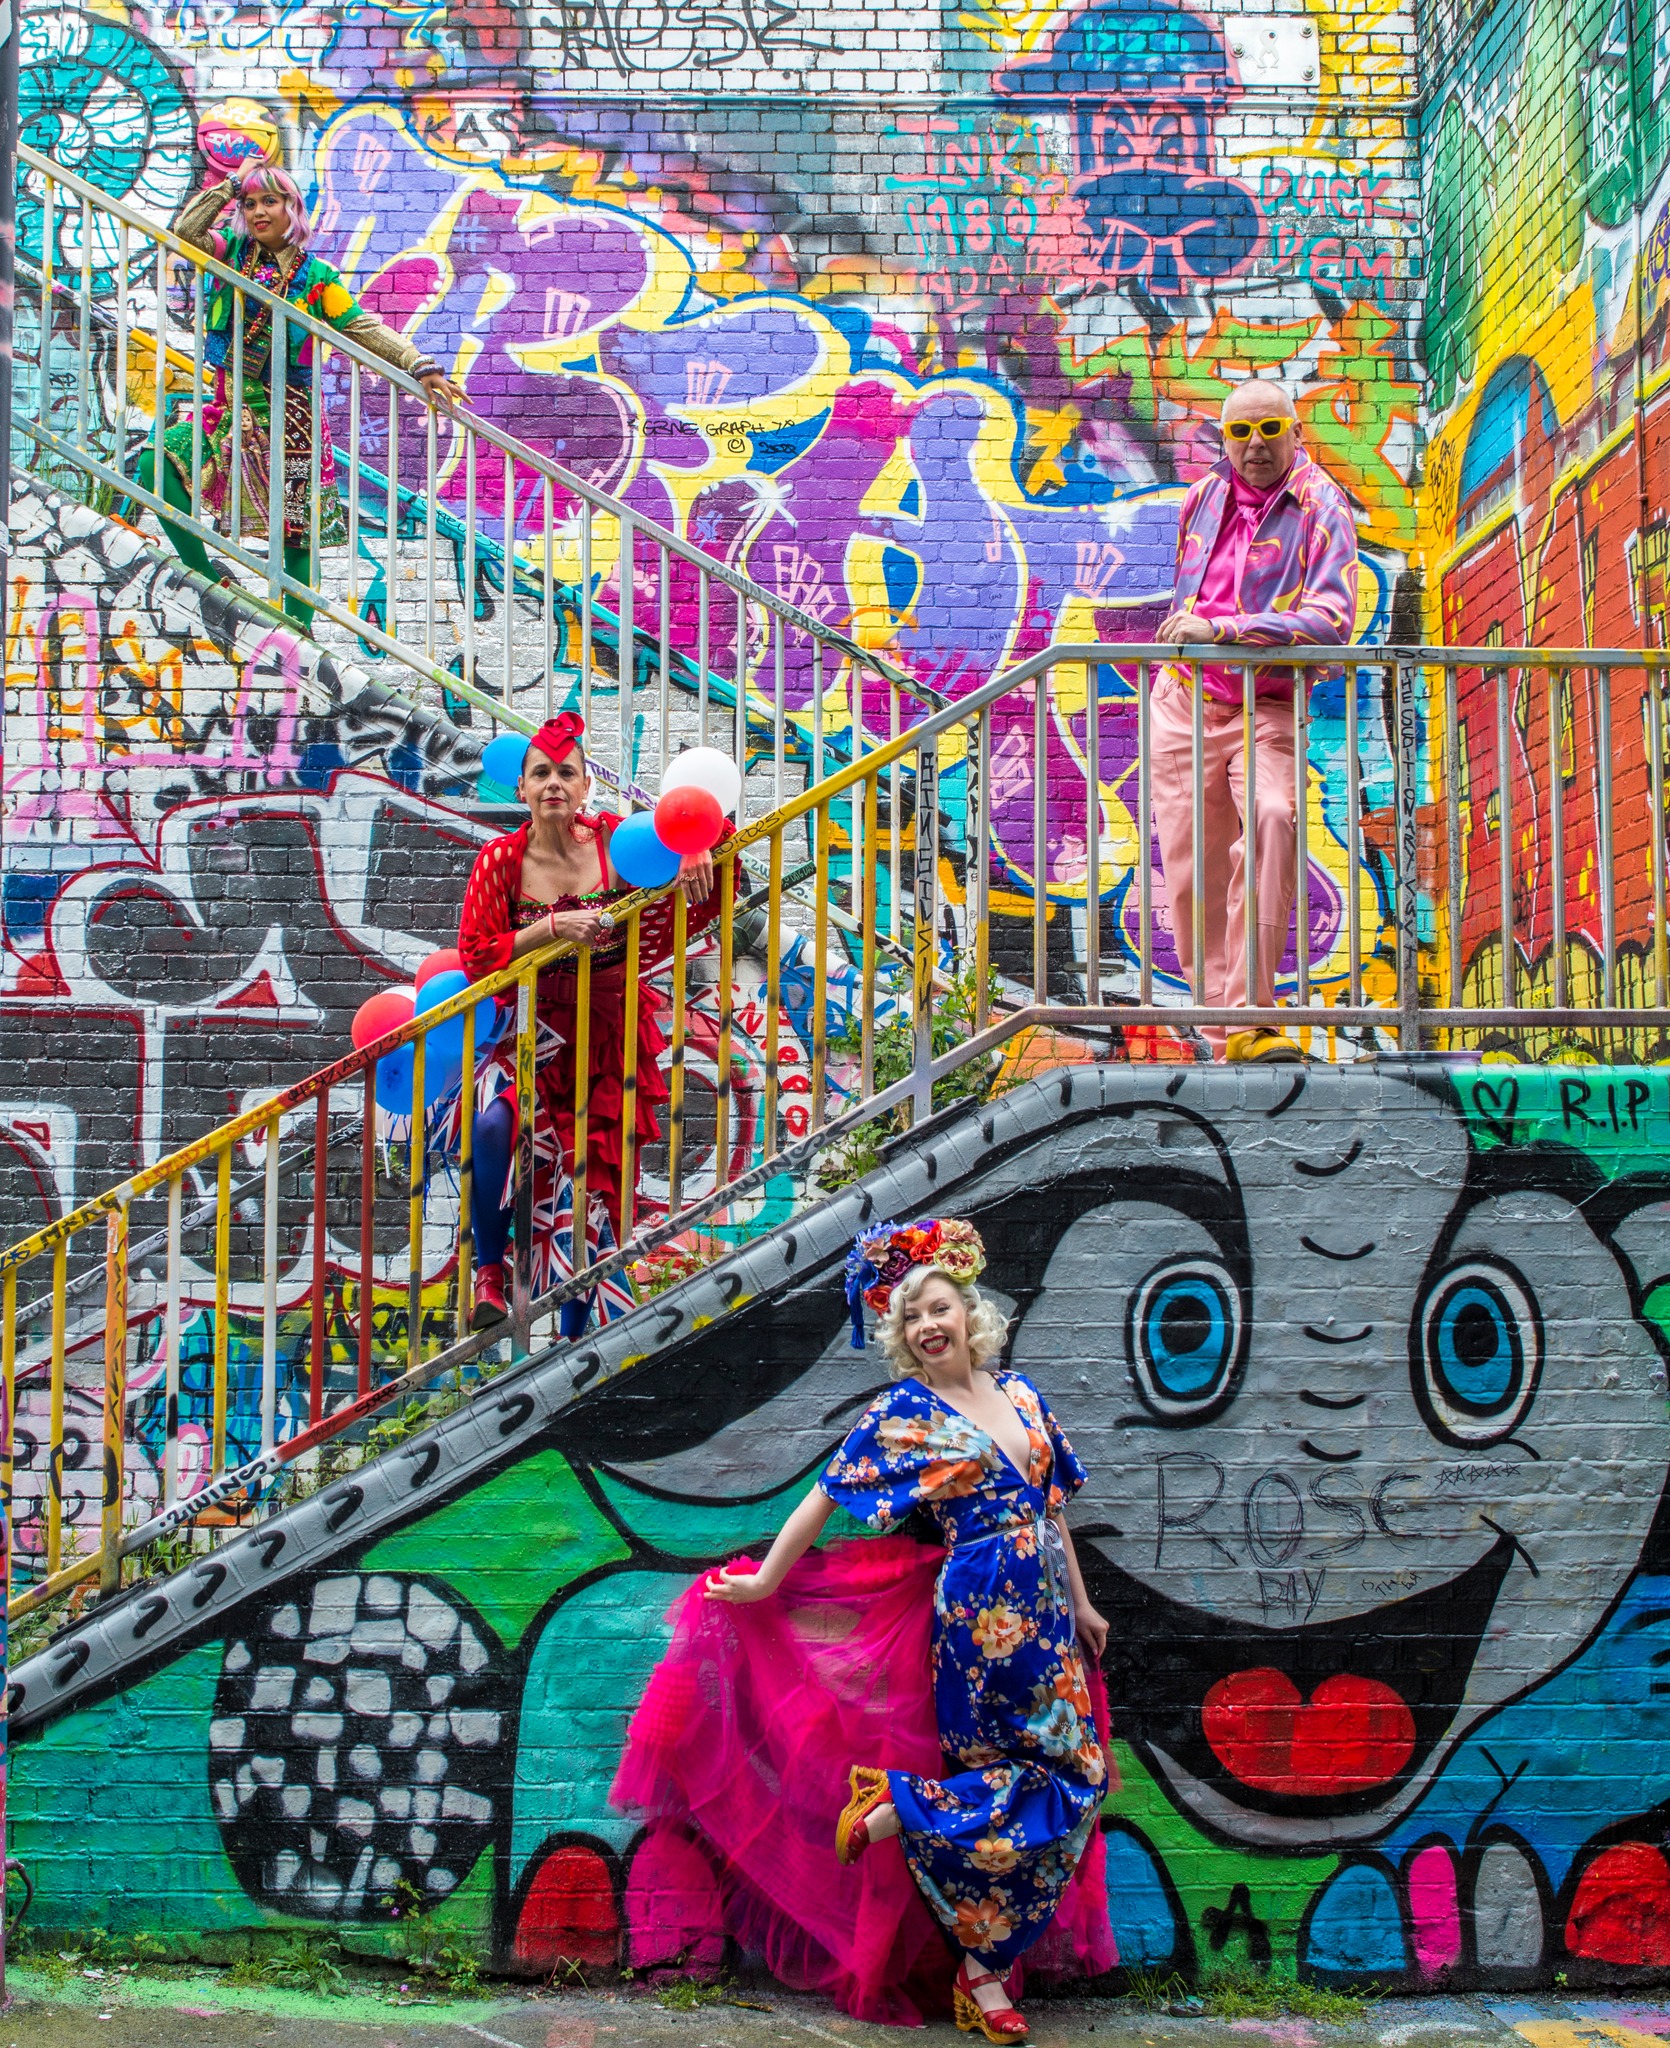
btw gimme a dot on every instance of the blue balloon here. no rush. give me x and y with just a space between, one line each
640 859
393 1086
501 761
440 1079
445 1042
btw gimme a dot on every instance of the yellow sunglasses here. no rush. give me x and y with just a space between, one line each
1244 430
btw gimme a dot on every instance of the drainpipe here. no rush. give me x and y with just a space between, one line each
1638 201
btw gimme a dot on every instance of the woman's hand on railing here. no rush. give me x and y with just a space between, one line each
695 877
440 390
584 927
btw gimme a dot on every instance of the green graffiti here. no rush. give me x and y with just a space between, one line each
133 1765
509 1545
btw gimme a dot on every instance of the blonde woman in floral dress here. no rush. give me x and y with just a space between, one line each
993 1842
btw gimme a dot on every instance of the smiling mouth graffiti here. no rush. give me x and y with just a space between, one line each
1330 1719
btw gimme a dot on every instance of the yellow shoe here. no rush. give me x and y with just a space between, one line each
870 1789
1262 1043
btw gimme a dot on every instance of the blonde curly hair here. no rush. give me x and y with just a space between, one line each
988 1327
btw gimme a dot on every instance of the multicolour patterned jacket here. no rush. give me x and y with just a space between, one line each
313 286
1299 583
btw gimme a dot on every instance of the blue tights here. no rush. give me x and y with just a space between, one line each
491 1215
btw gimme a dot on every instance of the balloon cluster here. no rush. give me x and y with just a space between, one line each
440 977
697 791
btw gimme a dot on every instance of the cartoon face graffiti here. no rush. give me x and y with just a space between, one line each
1141 87
1375 1439
1375 1433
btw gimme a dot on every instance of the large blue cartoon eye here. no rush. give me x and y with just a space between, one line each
1481 1352
1183 1337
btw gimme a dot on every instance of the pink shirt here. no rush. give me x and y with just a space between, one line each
1220 588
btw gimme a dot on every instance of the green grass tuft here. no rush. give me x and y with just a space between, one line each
1245 1993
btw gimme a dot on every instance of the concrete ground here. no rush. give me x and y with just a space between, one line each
141 2012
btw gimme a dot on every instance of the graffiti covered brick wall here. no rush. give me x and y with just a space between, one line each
1368 1372
921 321
1546 167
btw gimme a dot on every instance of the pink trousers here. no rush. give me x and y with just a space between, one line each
1221 877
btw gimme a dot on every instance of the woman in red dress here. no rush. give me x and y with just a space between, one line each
552 880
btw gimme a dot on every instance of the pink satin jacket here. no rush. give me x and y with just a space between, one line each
1299 581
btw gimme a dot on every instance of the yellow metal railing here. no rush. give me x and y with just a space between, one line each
957 908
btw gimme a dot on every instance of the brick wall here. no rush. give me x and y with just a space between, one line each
1546 179
851 296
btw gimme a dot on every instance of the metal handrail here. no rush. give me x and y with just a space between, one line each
643 648
496 437
957 1004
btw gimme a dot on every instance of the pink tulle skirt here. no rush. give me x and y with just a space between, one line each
746 1733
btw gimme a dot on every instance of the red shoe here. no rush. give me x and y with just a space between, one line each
1002 2024
490 1305
870 1789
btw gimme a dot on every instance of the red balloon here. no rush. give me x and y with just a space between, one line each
688 819
446 961
383 1012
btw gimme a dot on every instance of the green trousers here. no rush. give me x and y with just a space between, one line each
298 557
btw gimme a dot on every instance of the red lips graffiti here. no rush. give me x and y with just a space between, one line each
1353 1734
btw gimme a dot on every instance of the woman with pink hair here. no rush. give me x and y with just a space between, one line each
269 246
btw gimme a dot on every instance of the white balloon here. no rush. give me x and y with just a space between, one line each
706 768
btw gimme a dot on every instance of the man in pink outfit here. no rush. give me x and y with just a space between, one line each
1267 557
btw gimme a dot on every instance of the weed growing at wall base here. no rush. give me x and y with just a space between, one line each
1243 1993
302 1962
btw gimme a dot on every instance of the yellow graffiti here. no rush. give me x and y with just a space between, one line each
1583 2033
1010 27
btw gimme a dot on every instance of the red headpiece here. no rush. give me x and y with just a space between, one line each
559 736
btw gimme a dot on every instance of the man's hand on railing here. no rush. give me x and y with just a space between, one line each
440 390
1184 627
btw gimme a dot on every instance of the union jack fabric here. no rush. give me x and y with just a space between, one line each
553 1189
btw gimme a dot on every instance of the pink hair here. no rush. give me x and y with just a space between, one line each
277 184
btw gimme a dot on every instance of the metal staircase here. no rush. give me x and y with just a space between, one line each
971 879
443 511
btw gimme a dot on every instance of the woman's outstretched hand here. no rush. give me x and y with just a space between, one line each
695 877
1092 1629
738 1588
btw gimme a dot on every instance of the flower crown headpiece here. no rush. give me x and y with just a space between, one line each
880 1259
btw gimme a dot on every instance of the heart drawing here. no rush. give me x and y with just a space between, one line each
1353 1734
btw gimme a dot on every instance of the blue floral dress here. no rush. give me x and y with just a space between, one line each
992 1845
